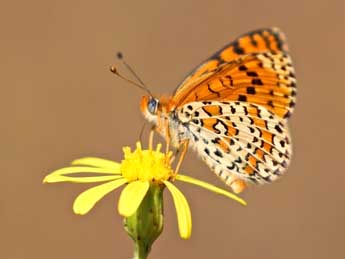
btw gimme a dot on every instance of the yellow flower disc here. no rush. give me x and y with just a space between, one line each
146 165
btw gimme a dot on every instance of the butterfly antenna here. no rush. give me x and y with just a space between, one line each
141 84
120 57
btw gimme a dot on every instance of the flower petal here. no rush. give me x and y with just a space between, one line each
131 197
184 216
97 162
209 187
87 199
91 179
80 169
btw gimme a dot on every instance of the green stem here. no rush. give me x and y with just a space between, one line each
145 226
140 251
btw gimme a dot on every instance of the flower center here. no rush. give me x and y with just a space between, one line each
146 165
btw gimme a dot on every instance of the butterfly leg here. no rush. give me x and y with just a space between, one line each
152 133
167 144
167 136
183 154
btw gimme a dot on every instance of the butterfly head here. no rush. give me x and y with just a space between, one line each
149 107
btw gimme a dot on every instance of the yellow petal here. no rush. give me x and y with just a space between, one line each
131 197
209 187
87 200
97 162
91 179
184 216
80 169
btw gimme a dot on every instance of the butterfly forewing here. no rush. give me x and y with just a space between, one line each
262 40
266 79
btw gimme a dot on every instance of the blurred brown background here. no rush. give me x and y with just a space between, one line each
59 102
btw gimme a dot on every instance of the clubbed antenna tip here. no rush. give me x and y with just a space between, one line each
119 55
113 69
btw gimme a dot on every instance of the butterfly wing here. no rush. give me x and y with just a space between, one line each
260 73
262 40
265 79
238 139
233 108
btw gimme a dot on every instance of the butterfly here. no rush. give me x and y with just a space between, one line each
233 108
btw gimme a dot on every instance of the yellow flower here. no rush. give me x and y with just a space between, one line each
138 170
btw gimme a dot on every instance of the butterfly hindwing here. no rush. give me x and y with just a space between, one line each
238 139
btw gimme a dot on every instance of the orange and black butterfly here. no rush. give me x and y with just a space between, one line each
233 109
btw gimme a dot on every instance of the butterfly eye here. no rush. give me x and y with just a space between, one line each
152 105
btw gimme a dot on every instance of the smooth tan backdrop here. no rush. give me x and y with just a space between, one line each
59 102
